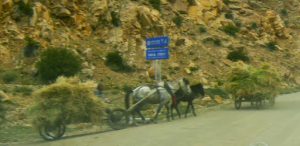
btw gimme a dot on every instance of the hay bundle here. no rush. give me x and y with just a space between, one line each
68 101
247 81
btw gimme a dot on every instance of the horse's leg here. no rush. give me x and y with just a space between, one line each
157 112
193 109
172 107
141 115
187 109
168 111
177 110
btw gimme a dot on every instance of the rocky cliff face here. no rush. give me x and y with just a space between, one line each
199 40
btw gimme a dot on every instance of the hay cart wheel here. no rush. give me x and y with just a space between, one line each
118 119
48 132
238 103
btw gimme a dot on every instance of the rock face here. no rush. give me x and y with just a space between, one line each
79 25
273 24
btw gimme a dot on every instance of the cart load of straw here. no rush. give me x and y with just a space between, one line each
247 81
66 101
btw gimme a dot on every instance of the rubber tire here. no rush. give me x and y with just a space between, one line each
48 135
118 119
237 104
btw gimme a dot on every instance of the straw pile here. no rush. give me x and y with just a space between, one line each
68 101
247 81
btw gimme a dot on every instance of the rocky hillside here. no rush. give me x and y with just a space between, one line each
202 32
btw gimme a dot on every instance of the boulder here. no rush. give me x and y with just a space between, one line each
218 99
61 11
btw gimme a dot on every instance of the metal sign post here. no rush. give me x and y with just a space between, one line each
157 51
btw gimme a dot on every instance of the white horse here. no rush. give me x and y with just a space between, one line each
161 94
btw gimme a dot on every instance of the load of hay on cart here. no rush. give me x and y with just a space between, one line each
255 85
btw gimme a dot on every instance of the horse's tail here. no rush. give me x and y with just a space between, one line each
127 99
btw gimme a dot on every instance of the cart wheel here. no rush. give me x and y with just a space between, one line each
258 103
238 103
118 119
52 132
272 101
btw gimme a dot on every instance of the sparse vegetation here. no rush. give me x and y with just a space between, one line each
26 9
155 4
56 62
214 41
226 2
229 15
31 47
115 19
284 12
116 63
238 23
230 29
254 25
191 2
202 29
271 46
23 90
238 55
178 20
9 76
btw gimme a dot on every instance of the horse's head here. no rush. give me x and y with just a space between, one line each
198 89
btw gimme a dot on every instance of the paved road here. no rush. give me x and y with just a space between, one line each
278 126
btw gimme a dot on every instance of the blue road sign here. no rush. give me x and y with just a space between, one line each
157 42
157 54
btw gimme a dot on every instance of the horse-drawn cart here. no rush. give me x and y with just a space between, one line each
116 118
256 101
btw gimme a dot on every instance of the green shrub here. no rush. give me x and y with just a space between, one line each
115 19
237 23
9 76
25 91
67 101
226 2
26 9
31 47
230 29
271 46
202 29
247 81
217 42
239 55
284 12
155 4
56 62
191 2
178 20
116 63
214 41
229 15
254 25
